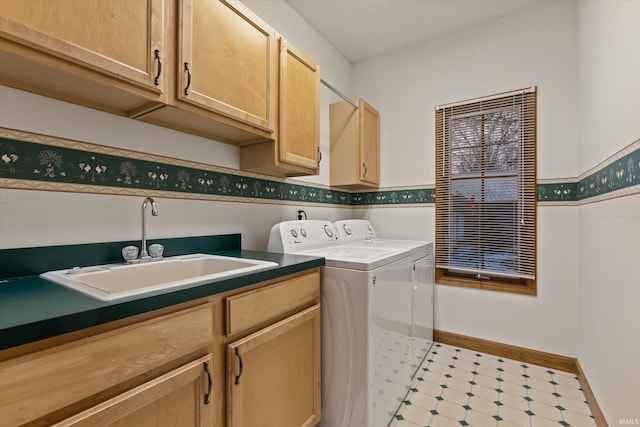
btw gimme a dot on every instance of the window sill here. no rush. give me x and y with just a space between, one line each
525 287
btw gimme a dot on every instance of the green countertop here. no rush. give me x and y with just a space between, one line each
33 309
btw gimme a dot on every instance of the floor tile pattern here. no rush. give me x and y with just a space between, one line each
459 387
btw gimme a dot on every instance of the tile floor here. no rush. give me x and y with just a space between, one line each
459 387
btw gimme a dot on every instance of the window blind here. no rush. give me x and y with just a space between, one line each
486 187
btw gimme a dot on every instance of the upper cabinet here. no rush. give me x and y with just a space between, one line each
224 74
299 108
108 55
296 150
227 62
355 145
207 67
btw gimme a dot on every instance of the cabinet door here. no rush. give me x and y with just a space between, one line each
273 376
299 132
227 61
369 143
180 398
355 145
120 38
87 367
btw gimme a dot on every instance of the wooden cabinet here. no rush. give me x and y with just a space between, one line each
180 398
299 137
224 74
355 145
273 374
52 384
296 150
227 61
108 55
207 67
169 369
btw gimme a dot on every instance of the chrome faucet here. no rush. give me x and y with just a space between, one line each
154 211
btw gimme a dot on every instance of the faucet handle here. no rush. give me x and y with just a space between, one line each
130 253
156 250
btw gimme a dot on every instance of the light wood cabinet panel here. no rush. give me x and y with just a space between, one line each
296 150
180 398
355 145
228 61
266 304
299 108
223 74
102 54
40 383
273 377
369 139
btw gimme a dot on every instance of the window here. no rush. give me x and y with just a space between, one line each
486 193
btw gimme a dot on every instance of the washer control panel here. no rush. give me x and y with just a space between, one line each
355 230
296 236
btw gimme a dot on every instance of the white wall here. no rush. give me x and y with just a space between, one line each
609 341
609 55
609 344
502 55
34 218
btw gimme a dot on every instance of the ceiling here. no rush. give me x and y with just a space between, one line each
361 29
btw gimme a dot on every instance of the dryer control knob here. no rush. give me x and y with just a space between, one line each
328 231
303 232
346 229
294 233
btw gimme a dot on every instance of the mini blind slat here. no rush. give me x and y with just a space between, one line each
485 186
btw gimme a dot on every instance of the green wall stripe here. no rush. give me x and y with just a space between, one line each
32 161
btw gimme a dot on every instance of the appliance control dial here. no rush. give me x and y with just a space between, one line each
346 229
328 231
294 233
303 232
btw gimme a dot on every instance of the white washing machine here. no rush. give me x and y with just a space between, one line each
367 322
360 233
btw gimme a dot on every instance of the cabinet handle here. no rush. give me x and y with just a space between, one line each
241 365
207 396
364 165
156 80
319 156
186 68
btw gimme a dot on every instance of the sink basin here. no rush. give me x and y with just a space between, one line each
113 281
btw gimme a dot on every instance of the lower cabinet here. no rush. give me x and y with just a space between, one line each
44 387
273 375
180 398
169 369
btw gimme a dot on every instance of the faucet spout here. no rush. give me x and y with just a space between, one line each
154 211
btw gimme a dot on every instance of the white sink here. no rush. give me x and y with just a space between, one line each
113 281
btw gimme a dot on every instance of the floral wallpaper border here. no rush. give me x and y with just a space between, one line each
39 162
46 163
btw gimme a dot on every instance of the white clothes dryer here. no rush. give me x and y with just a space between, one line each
361 233
366 323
